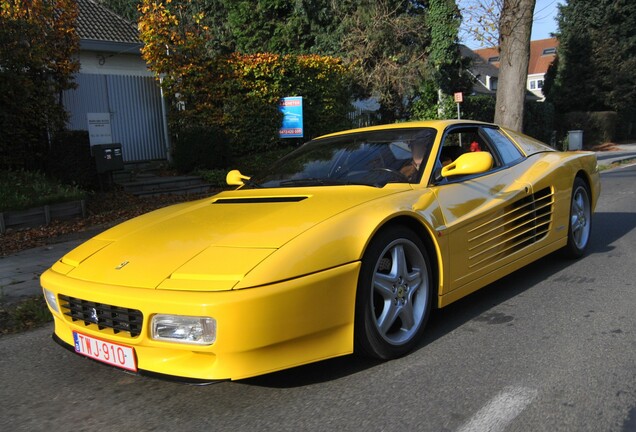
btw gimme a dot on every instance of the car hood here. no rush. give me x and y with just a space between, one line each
209 244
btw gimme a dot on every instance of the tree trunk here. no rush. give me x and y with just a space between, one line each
515 26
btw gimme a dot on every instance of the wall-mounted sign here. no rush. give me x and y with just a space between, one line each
99 131
292 109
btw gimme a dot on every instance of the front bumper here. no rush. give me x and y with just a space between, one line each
259 330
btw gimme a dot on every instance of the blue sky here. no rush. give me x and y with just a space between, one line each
545 13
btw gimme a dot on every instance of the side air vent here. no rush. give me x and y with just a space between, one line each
520 224
259 200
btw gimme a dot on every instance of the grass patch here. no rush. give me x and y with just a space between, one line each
21 190
25 315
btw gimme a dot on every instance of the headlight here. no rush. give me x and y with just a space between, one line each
184 329
51 300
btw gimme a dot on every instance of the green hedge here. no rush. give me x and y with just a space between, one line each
70 161
200 147
598 127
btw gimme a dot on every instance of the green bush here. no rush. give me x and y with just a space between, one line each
24 189
253 127
598 127
215 177
538 121
479 107
474 107
200 147
69 159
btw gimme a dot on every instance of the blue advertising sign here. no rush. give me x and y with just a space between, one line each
292 109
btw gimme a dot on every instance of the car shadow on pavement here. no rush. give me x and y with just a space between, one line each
607 228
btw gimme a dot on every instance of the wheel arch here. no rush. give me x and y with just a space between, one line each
425 234
583 175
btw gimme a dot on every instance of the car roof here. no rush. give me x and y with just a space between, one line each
436 124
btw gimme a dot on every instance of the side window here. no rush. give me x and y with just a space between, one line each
462 140
508 152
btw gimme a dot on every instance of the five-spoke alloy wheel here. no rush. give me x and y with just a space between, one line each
580 225
394 294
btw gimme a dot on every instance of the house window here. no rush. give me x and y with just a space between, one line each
533 85
539 83
493 59
549 51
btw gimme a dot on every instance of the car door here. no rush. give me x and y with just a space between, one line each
490 218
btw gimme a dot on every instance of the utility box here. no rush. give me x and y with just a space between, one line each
108 157
575 140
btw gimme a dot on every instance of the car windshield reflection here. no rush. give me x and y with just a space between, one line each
365 158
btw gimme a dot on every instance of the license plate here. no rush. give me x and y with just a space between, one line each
107 352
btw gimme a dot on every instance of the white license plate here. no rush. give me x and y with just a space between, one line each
107 352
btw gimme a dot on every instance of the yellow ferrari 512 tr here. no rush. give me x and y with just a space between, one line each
342 246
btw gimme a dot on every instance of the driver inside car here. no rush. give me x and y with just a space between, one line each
412 167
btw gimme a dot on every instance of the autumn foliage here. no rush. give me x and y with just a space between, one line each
236 93
37 46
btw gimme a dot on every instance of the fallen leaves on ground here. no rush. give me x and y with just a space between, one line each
608 146
103 211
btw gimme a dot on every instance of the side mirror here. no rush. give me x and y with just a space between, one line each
468 164
235 178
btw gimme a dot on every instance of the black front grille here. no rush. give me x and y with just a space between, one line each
117 318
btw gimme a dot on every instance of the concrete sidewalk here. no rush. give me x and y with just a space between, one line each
626 151
20 272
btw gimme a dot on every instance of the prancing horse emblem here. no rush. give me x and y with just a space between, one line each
121 266
94 316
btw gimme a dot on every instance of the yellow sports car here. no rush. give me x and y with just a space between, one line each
343 246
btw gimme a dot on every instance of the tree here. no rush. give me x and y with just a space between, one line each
387 39
481 20
128 9
449 68
179 48
515 26
37 46
596 63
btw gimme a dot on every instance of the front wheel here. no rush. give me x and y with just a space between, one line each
394 294
580 225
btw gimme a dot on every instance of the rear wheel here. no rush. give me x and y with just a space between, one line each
580 225
394 294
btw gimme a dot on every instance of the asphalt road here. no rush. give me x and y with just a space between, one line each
549 348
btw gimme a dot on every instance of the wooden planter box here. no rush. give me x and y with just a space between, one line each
43 215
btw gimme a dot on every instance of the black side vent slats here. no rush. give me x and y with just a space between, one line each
117 318
260 200
521 224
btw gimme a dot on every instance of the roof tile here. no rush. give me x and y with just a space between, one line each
95 22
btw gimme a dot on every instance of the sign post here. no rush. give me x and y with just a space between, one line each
292 109
459 98
99 131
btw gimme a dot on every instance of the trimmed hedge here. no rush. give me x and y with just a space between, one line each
598 127
70 161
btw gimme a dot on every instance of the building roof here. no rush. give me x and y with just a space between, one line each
542 53
99 27
480 69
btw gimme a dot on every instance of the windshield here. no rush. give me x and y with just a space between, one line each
364 158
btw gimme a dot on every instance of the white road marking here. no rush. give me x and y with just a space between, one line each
500 410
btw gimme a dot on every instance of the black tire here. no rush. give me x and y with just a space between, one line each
580 223
393 298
